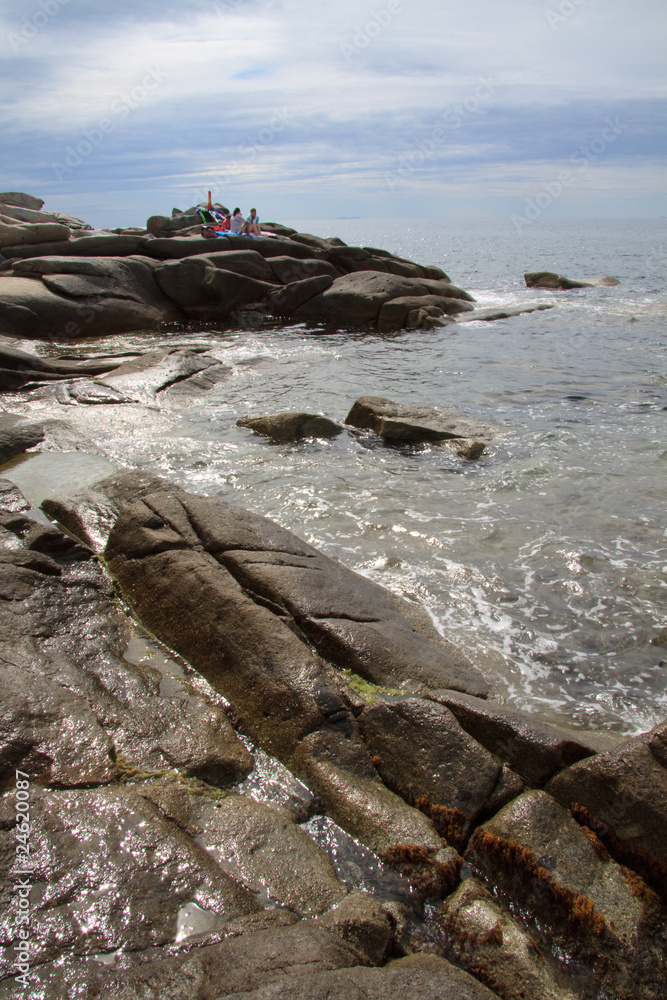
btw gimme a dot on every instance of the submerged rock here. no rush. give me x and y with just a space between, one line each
285 427
548 279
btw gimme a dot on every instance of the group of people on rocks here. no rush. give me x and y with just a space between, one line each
231 223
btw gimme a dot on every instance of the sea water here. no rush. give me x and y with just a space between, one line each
545 559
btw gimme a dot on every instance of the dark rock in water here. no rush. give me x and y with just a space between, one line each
584 902
18 369
486 940
621 796
394 314
535 749
425 755
286 300
548 279
404 422
21 199
285 427
358 297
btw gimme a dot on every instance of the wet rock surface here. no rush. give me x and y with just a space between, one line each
486 940
398 422
548 279
285 427
602 912
621 796
284 812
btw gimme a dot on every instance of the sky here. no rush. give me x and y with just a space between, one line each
116 110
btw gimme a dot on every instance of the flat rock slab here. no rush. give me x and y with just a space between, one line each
404 422
549 279
504 312
286 427
351 620
260 846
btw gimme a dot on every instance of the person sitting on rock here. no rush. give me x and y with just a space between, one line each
226 222
251 227
237 223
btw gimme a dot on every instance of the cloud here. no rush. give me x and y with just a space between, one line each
281 95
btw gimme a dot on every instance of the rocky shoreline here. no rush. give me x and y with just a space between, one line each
252 772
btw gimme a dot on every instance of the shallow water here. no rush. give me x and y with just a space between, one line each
548 554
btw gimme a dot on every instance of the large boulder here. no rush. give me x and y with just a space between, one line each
19 198
549 279
287 269
357 298
29 234
81 297
622 796
285 301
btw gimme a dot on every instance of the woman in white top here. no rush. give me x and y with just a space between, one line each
237 223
